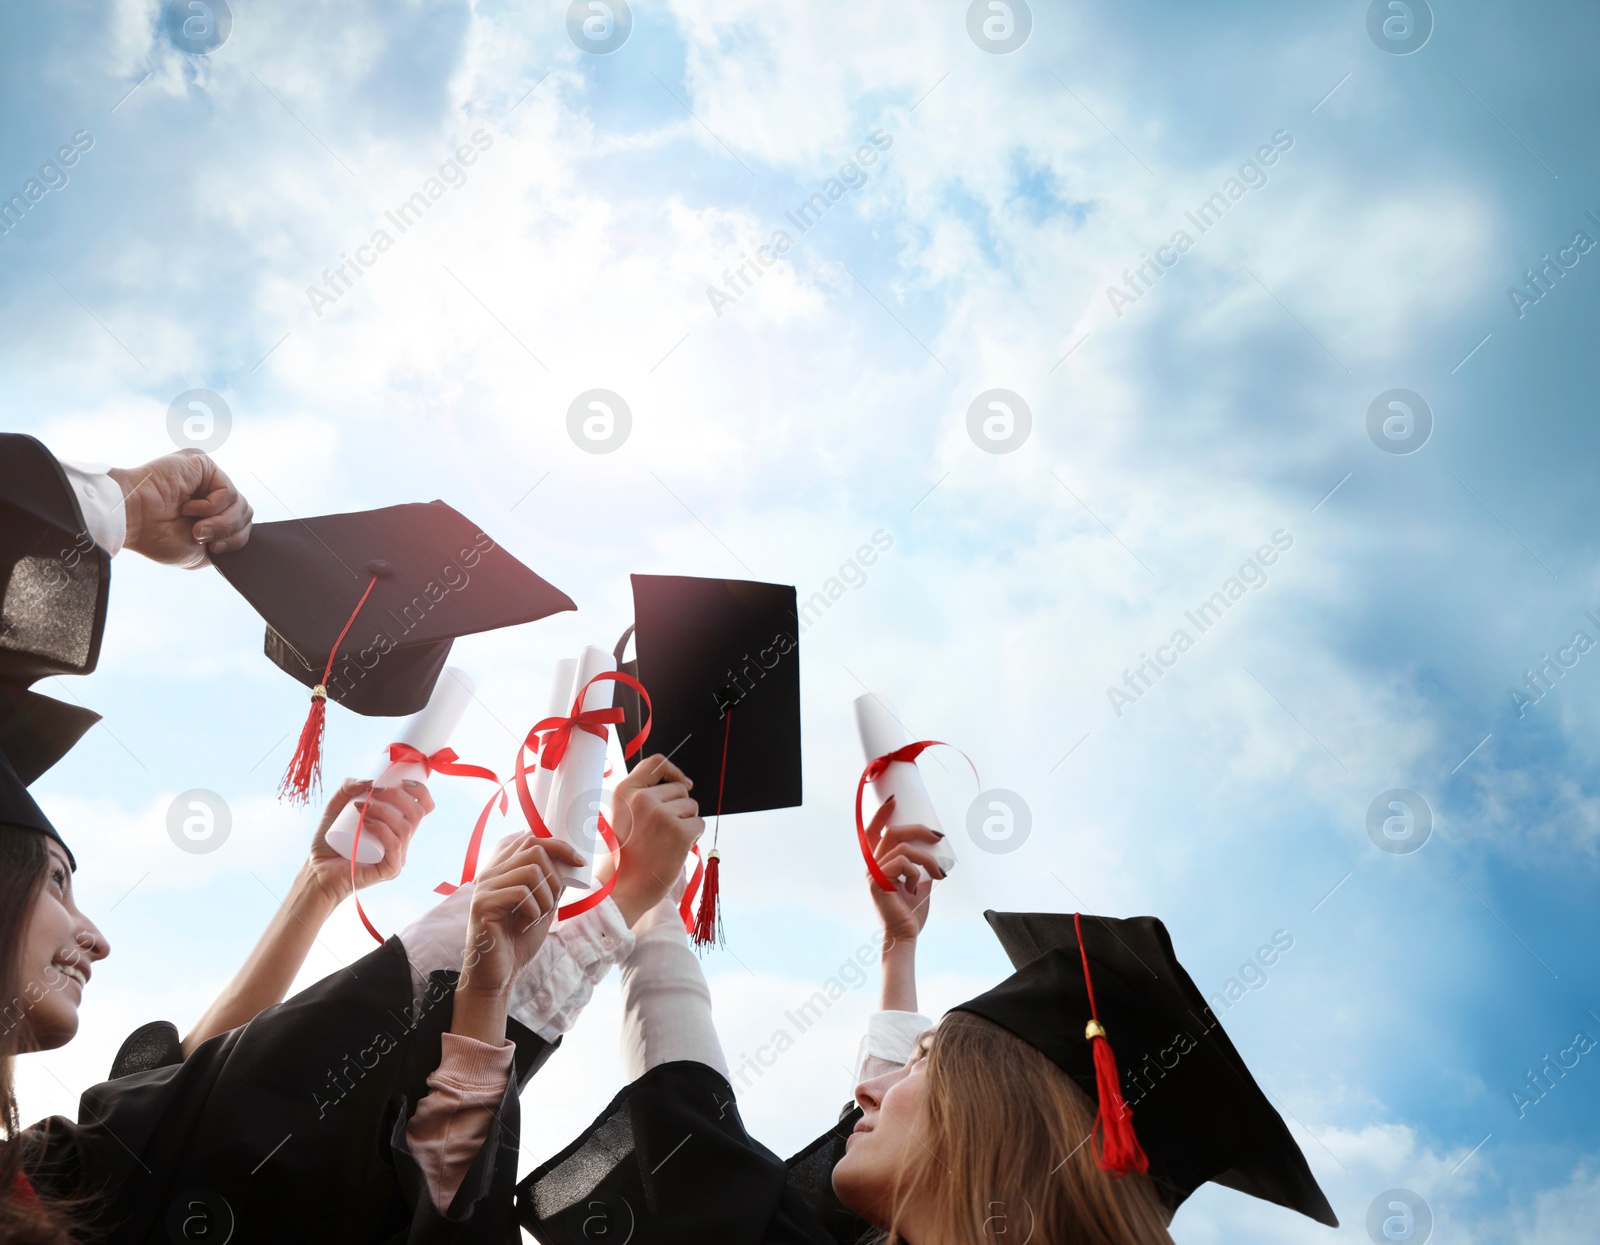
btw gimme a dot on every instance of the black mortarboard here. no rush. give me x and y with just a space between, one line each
704 647
720 659
36 731
1198 1113
367 604
19 811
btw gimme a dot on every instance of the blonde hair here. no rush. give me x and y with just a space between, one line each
1004 1156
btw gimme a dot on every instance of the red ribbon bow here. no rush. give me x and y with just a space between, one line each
444 761
554 734
876 769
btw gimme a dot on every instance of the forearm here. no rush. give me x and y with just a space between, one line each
899 975
483 990
666 1003
480 1014
273 964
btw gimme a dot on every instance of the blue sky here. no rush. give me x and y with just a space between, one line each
829 402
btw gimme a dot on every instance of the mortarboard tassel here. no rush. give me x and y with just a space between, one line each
708 923
1120 1151
304 774
305 767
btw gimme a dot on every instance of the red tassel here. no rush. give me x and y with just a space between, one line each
305 768
1120 1151
304 774
708 923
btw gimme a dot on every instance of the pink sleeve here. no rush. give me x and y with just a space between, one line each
449 1125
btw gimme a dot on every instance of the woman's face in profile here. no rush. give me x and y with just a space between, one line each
885 1137
59 948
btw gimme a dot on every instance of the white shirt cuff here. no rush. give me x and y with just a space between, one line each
893 1035
105 515
550 993
888 1042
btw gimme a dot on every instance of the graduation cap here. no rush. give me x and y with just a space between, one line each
1200 1114
721 660
19 811
35 733
363 608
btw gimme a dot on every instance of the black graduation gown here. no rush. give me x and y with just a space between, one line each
54 585
669 1162
288 1129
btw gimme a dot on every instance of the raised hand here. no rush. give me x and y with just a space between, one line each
180 506
657 823
513 903
393 814
898 851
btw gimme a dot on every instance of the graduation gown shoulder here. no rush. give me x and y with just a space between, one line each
669 1162
54 586
288 1129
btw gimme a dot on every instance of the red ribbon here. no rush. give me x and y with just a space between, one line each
551 735
875 769
686 907
444 761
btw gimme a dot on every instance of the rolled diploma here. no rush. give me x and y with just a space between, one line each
562 690
427 732
582 768
881 733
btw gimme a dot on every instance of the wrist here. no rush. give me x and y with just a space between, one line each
479 1015
631 904
313 897
328 880
483 986
899 976
128 482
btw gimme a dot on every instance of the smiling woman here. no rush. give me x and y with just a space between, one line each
49 947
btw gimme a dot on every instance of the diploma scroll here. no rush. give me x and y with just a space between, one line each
882 733
427 732
562 690
575 794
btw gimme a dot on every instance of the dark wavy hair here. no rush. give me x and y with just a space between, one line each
24 865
